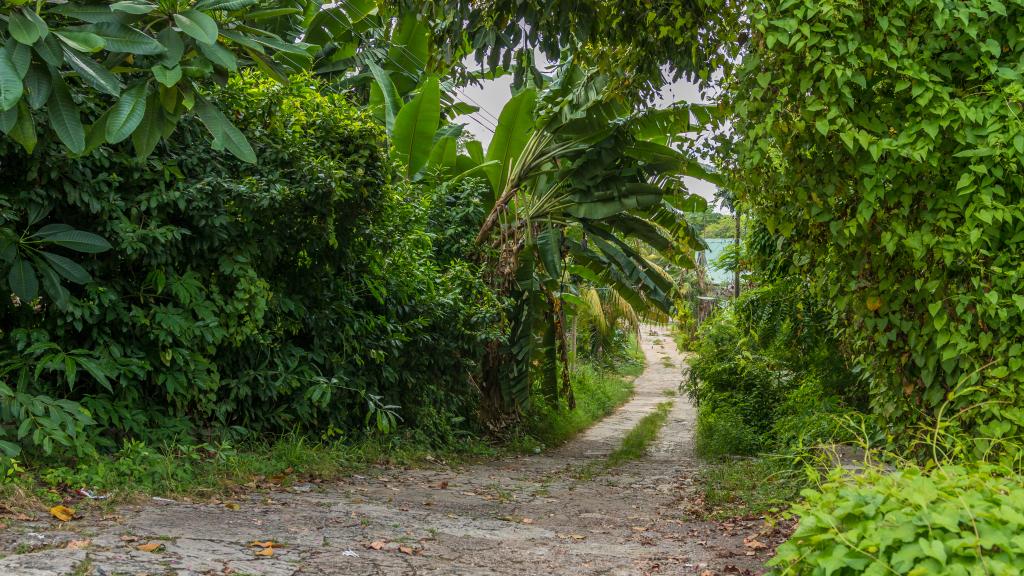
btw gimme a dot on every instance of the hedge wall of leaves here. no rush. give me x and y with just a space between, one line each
886 142
300 292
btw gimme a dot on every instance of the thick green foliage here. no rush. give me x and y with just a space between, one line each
766 371
886 142
299 292
954 521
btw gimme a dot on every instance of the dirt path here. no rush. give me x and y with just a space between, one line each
525 515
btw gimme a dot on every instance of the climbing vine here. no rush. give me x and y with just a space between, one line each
885 142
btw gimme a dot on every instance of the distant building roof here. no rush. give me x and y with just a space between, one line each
715 248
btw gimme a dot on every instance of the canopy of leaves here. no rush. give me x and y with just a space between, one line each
637 41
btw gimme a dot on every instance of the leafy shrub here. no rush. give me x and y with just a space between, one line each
885 143
300 292
721 430
766 373
952 520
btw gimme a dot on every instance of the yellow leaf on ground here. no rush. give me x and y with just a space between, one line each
62 513
150 546
405 550
232 506
267 544
377 544
265 552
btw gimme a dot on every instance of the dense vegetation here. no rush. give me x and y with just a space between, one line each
236 220
229 221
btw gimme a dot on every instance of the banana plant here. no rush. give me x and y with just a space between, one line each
581 189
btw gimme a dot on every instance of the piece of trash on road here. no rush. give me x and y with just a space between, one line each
350 553
92 495
62 513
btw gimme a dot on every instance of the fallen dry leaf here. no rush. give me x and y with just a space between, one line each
442 485
22 517
265 552
527 520
577 536
377 544
78 544
150 546
232 506
129 538
62 513
267 544
753 544
405 550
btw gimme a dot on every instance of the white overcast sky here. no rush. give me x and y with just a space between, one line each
492 95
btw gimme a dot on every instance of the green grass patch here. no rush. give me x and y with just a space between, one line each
749 487
598 393
634 445
221 470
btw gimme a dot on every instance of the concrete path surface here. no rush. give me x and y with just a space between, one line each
526 515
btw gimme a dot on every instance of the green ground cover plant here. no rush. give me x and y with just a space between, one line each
951 520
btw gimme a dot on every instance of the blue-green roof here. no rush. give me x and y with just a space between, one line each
715 248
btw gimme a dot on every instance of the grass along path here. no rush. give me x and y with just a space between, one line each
512 515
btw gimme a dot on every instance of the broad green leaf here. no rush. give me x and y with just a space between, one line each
65 118
267 65
10 449
197 25
549 248
94 370
96 135
172 41
21 57
51 51
391 99
133 7
220 56
93 73
8 119
81 41
408 51
21 28
442 156
515 125
79 241
167 76
53 286
67 268
37 21
415 125
148 134
87 12
597 207
271 13
476 151
229 5
38 84
11 87
126 113
123 38
225 134
22 280
24 130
